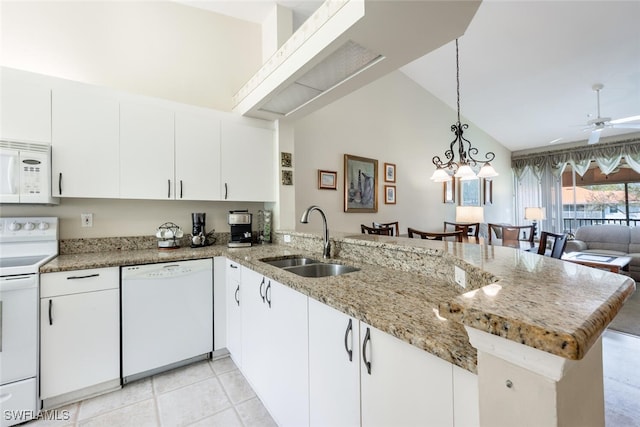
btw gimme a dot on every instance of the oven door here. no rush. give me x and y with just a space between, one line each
18 327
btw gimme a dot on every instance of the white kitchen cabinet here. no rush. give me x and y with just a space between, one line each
248 165
275 347
197 155
79 331
402 385
25 107
146 151
334 367
233 305
85 142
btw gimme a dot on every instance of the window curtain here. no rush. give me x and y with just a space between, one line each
538 176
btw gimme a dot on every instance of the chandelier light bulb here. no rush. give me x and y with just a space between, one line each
465 173
487 171
440 175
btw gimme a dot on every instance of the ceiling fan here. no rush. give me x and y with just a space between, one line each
598 124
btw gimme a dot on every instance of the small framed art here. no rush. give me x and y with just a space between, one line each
389 172
327 180
390 194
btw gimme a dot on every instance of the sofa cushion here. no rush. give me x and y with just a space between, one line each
634 240
605 237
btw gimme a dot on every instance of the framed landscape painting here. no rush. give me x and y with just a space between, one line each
360 184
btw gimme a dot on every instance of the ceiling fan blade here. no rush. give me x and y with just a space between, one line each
625 125
625 120
595 136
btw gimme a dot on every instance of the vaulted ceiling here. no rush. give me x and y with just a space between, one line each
526 67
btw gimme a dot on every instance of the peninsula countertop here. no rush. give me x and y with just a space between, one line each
554 306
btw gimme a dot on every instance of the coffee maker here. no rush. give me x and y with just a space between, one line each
240 223
199 234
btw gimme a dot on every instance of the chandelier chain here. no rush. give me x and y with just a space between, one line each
458 79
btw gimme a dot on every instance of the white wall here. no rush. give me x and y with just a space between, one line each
155 48
396 121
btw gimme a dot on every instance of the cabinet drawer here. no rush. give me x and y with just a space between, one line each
77 281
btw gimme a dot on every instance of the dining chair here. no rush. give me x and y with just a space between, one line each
469 228
427 235
382 231
559 243
511 235
388 224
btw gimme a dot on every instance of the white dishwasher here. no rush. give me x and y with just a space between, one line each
167 316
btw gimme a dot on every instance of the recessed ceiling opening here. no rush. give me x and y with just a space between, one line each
347 61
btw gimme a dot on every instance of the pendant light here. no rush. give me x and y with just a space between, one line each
462 168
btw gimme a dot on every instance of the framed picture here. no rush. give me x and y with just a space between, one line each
287 177
360 184
390 194
469 192
389 172
449 191
285 160
487 191
327 180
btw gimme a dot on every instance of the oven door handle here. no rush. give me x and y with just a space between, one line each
13 283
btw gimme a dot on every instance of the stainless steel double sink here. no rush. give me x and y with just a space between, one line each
309 267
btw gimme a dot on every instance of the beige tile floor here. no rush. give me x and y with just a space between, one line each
214 393
207 393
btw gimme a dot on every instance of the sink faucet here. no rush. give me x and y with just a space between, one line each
305 220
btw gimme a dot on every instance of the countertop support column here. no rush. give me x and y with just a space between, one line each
520 385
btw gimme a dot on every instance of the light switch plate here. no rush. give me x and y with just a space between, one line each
460 276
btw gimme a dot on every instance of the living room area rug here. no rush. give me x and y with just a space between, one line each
628 319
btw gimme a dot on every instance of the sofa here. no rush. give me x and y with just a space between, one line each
609 239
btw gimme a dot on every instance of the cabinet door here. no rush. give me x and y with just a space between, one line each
402 385
334 367
234 320
288 398
25 107
146 151
79 341
197 156
256 343
85 141
248 166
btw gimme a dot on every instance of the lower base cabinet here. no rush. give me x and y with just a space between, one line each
313 365
275 347
79 330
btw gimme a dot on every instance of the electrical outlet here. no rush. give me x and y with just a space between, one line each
87 219
287 238
460 276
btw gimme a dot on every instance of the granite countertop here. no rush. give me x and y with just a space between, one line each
555 306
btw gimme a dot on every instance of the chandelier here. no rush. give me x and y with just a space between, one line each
462 168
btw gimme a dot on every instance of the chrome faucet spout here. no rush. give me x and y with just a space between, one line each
326 253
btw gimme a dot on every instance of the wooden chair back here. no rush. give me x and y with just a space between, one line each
394 225
511 235
456 235
382 231
469 228
559 243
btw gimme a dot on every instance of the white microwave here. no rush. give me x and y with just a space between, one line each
25 173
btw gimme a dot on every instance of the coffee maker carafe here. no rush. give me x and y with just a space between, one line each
240 223
199 234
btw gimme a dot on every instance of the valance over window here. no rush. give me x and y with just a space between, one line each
606 156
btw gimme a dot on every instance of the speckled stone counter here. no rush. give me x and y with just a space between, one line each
405 287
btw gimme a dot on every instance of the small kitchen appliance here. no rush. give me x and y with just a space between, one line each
198 234
240 223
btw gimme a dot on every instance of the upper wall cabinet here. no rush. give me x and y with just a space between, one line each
197 155
25 107
85 141
248 165
146 151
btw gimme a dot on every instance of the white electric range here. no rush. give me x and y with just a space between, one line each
26 243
